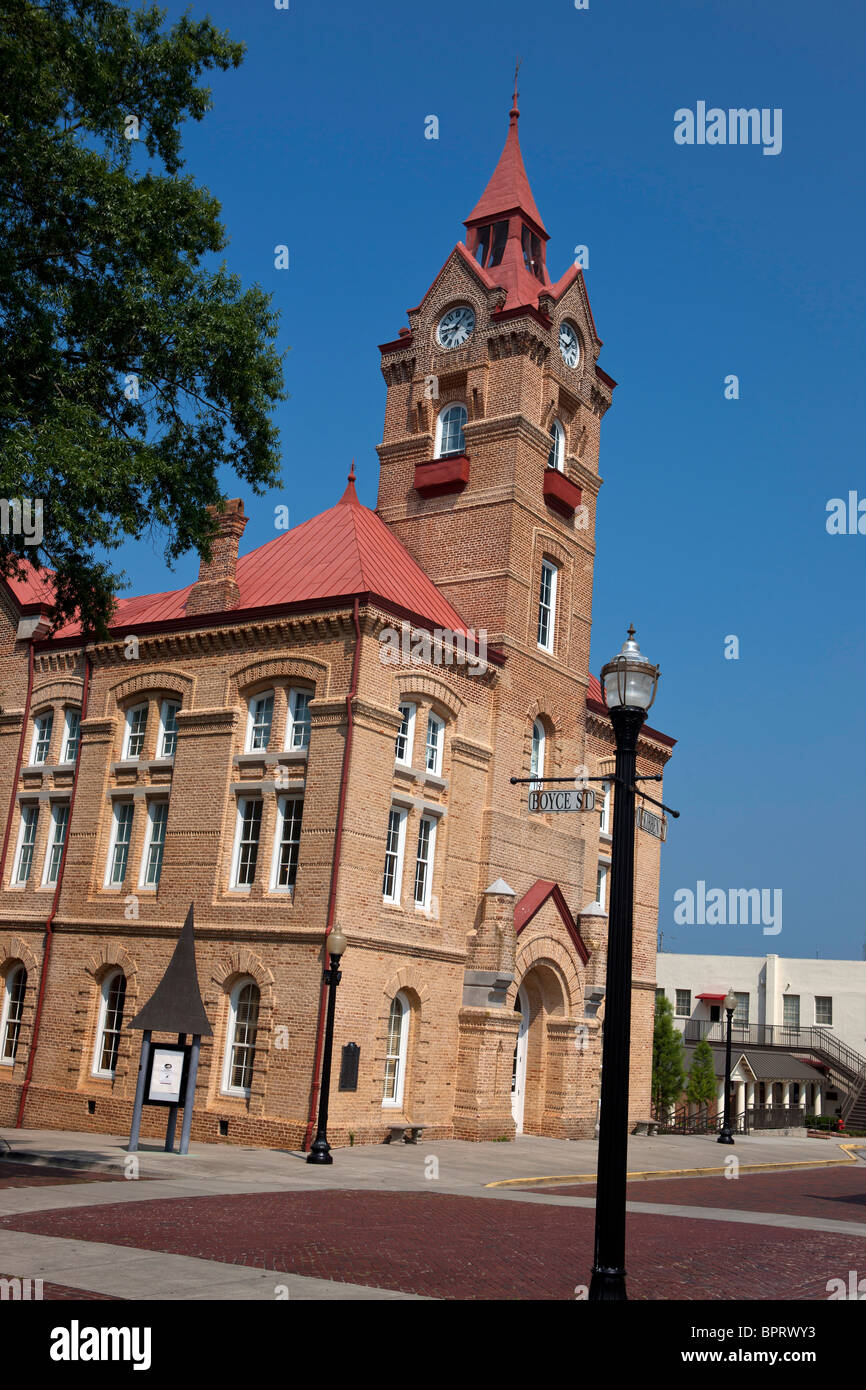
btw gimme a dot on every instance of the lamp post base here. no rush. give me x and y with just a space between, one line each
320 1152
607 1286
726 1137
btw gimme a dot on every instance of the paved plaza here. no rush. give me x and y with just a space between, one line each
441 1220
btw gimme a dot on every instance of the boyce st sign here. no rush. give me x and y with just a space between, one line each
569 799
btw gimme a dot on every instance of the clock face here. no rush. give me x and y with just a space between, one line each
569 344
456 327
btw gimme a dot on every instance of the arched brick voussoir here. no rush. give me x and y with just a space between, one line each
546 950
177 682
408 977
411 683
56 692
112 954
244 962
14 948
274 668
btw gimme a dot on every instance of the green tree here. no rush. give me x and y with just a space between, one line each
702 1088
668 1078
134 366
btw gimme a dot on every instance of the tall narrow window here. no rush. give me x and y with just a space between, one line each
547 606
241 1036
121 839
26 842
394 843
435 741
791 1010
741 1011
14 988
261 716
56 841
113 998
556 457
157 819
168 728
601 886
71 736
604 826
298 729
449 431
42 738
824 1010
249 832
683 1005
397 1045
536 760
290 810
424 861
405 735
136 727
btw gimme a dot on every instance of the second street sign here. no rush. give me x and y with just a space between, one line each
569 799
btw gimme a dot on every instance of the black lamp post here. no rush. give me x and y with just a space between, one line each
335 945
630 683
725 1135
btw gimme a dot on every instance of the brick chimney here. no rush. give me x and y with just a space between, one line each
216 588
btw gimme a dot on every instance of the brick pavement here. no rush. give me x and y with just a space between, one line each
452 1247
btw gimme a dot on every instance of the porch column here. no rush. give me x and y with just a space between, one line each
786 1094
818 1099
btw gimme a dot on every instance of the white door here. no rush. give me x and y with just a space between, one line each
518 1074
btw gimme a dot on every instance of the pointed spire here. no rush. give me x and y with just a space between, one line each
508 190
175 1005
350 496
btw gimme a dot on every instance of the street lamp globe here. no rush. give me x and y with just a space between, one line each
336 942
730 1000
630 681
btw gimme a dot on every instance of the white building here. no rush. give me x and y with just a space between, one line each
798 1032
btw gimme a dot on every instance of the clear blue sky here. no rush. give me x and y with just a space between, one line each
703 261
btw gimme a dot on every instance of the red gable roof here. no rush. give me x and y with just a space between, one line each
343 552
526 908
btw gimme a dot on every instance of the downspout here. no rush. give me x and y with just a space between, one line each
19 760
335 871
49 935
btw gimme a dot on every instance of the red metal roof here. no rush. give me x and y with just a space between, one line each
345 551
526 908
508 189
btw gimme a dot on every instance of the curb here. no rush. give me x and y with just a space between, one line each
562 1179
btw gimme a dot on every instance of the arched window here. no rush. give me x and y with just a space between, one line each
449 431
112 1000
398 1045
536 761
556 457
243 1026
14 987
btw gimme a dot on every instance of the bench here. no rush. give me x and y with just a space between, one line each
409 1133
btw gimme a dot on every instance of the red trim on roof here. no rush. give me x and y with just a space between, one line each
537 896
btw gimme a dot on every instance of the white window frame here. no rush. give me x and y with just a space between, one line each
395 1101
166 733
556 455
737 1018
55 842
151 844
129 733
789 998
547 608
110 881
276 857
296 726
434 725
603 873
26 821
824 1023
604 821
396 853
6 1019
72 719
677 1013
42 721
427 862
444 430
537 753
244 801
226 1086
105 990
405 735
264 696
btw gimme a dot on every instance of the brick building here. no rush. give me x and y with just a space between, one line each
323 731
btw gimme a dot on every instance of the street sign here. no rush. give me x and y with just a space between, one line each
653 824
569 799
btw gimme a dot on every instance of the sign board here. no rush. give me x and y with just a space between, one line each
168 1068
349 1067
653 824
568 799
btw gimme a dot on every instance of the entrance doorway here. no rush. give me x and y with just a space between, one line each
518 1071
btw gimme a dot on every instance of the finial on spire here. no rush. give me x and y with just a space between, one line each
351 477
514 113
631 631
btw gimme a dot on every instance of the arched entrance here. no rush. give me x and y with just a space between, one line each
518 1071
537 1076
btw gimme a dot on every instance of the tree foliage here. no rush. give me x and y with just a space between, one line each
134 366
668 1076
702 1086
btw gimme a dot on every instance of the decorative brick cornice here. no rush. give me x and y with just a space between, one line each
207 721
11 720
98 728
465 751
171 681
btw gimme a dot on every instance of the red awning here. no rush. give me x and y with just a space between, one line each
714 998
